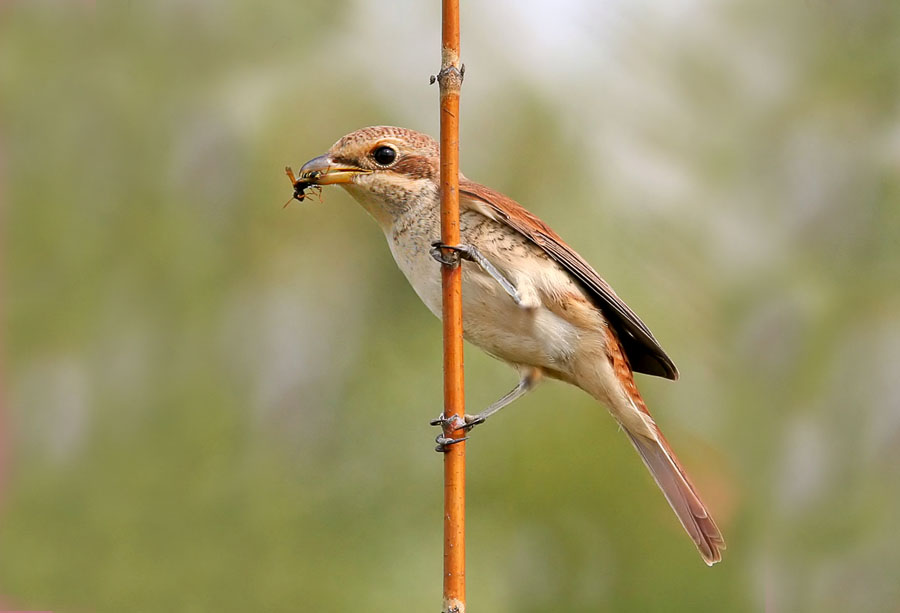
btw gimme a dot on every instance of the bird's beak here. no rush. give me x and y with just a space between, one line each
325 171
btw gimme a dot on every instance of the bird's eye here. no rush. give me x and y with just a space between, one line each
384 155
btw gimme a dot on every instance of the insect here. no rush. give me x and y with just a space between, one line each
301 185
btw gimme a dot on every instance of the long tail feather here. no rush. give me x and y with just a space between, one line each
631 412
682 496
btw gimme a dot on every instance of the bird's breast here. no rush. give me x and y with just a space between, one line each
410 243
536 335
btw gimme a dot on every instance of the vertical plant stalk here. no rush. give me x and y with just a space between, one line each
4 430
450 81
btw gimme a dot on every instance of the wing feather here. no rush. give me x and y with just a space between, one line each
643 350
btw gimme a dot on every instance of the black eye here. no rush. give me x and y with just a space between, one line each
384 155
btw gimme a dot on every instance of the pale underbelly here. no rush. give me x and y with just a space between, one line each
496 324
491 319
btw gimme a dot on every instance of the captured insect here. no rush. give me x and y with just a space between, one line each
301 185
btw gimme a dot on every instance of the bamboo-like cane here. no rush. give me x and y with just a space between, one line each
5 438
450 80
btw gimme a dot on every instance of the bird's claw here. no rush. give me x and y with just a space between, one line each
448 426
457 252
444 442
471 253
472 421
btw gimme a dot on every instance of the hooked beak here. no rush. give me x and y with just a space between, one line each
324 171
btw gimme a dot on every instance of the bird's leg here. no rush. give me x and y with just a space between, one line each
526 384
448 424
469 252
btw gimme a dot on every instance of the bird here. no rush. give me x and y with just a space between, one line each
528 299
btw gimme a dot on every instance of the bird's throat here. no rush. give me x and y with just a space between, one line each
390 202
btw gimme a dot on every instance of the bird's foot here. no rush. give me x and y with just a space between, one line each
451 424
471 253
457 252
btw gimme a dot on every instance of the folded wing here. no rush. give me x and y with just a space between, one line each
644 352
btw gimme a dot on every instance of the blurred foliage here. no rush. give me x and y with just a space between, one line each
217 404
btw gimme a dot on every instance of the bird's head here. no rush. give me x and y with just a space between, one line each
387 169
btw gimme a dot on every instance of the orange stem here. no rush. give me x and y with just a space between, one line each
4 430
450 80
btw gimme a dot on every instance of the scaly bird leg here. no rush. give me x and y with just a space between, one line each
527 383
469 252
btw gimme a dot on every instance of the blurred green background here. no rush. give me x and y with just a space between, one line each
212 403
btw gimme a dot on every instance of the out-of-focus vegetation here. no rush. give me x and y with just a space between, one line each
215 404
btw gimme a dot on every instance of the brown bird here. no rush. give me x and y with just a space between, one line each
528 298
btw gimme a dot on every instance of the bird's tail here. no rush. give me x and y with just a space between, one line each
635 418
680 492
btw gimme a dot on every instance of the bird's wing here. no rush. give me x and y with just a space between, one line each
644 352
